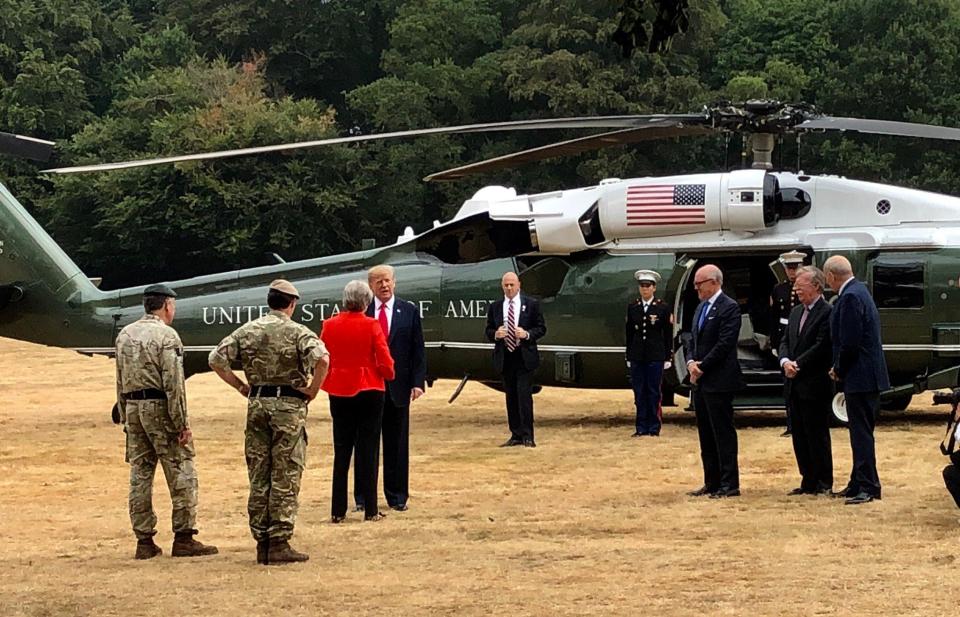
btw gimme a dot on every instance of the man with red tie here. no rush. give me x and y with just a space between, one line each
400 321
513 326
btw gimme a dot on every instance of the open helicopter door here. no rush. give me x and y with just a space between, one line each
780 273
676 285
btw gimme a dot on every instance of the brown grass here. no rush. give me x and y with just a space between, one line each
589 523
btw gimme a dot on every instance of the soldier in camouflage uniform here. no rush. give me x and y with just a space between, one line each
152 404
284 363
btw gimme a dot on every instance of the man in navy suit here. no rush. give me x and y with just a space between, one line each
805 357
514 325
860 369
400 321
711 354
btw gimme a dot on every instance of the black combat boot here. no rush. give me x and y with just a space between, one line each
280 552
147 549
263 551
185 546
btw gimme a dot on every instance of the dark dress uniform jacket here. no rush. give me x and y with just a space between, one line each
811 350
715 346
784 301
530 319
649 337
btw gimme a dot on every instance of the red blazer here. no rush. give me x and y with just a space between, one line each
359 356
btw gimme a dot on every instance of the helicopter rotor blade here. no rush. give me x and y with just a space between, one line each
573 146
521 125
26 147
879 127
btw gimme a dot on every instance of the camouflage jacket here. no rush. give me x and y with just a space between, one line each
150 355
272 350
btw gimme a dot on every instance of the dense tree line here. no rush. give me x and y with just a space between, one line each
120 79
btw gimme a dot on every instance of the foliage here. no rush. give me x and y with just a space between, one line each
122 79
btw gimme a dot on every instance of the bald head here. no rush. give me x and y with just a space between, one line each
837 270
707 281
510 284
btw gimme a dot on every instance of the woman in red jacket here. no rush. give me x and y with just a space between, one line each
359 363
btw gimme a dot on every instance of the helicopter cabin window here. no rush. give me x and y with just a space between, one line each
793 203
898 285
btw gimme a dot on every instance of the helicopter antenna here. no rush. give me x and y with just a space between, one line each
798 153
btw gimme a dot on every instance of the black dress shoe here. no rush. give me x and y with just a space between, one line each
785 433
400 507
511 442
859 498
844 492
725 492
529 443
798 491
700 492
823 490
638 435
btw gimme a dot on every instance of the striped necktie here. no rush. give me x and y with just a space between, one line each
511 339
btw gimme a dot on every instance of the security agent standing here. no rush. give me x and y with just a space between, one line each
152 403
514 324
278 357
783 299
649 336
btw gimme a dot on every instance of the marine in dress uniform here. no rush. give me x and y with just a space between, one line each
649 348
782 300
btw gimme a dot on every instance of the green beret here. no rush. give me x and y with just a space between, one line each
159 290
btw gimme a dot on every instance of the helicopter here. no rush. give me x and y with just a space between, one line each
575 249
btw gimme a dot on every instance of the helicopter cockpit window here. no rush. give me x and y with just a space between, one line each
793 203
590 225
898 285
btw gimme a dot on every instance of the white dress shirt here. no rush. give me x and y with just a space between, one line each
809 308
516 310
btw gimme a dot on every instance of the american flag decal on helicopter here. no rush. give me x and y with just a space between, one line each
666 204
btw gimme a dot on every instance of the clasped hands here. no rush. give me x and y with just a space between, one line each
502 333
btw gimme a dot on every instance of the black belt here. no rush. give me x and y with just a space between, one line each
150 394
276 391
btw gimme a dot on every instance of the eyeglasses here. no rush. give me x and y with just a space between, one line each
697 284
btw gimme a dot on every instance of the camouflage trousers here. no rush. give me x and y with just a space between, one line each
276 451
151 438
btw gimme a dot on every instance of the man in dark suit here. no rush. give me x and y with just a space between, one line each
711 354
514 325
806 357
649 338
861 370
400 321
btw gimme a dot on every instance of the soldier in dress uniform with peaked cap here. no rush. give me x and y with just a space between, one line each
782 300
152 404
284 363
649 341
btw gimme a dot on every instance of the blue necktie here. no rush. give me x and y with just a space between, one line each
703 315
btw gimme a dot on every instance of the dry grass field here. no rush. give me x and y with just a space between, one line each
592 522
